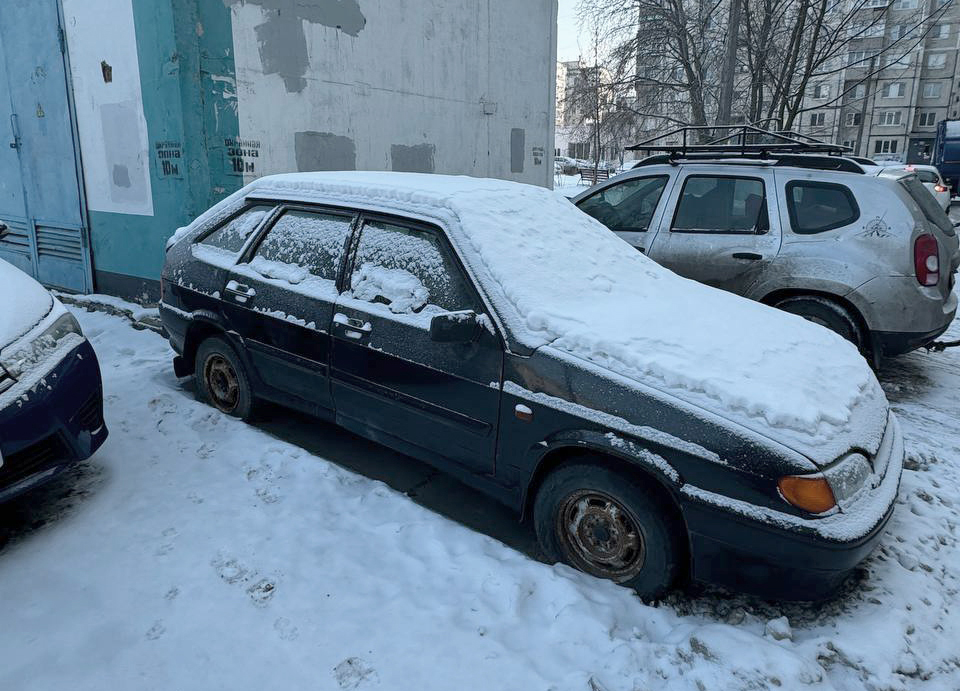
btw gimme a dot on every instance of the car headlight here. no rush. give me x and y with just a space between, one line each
20 357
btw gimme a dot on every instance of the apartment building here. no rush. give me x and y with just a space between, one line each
897 80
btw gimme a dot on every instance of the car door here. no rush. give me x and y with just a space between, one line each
391 381
630 208
720 229
279 298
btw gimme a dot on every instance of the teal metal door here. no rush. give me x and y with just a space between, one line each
41 193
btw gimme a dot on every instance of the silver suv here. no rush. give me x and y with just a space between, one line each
873 259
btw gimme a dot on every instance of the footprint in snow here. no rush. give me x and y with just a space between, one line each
171 594
353 672
157 630
229 570
286 630
262 592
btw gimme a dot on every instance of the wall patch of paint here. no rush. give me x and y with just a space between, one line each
129 177
324 151
282 41
518 146
413 159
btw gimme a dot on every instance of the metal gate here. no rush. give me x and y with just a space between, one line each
41 191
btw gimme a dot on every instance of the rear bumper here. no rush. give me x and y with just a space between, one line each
52 425
782 556
895 343
900 314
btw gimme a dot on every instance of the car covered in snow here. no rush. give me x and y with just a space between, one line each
51 396
871 258
654 428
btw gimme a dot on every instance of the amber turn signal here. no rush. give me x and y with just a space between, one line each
811 493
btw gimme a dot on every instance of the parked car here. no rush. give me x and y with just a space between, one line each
928 176
872 258
653 427
51 400
566 165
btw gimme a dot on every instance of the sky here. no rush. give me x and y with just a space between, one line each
569 41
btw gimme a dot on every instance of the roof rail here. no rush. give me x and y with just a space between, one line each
814 161
739 140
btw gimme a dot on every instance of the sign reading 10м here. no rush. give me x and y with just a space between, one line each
241 155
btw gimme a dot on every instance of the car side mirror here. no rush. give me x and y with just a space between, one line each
455 327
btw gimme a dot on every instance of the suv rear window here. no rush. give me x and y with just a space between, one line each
721 204
928 204
816 207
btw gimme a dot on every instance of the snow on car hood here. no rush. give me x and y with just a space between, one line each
24 303
558 277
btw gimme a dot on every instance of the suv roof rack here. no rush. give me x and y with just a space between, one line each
747 143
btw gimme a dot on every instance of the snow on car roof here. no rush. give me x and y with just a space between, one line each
558 277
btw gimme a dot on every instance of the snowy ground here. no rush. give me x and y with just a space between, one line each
196 552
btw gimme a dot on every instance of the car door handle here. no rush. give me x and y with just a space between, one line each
747 255
240 291
352 328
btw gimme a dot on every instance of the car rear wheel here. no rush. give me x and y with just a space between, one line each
222 380
609 525
827 313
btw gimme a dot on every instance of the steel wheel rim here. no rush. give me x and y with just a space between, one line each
222 383
601 536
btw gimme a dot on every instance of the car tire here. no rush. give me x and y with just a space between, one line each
609 525
222 380
829 314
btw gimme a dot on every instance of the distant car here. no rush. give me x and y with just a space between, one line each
566 166
928 176
871 258
652 427
51 398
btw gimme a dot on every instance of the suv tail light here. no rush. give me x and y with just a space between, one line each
926 260
940 188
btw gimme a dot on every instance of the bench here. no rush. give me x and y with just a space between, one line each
593 176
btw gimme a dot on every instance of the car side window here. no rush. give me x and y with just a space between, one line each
233 234
628 206
303 244
816 207
711 204
408 270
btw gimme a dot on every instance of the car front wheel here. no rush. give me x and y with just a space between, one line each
609 525
222 380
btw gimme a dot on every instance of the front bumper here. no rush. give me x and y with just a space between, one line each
52 425
782 556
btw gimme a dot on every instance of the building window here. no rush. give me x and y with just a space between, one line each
578 150
927 119
903 5
852 119
892 90
856 57
885 146
816 119
932 90
821 91
897 62
888 117
936 60
876 3
898 30
941 31
850 144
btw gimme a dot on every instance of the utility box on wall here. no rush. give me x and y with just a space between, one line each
177 103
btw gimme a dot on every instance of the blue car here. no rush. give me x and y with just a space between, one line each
51 395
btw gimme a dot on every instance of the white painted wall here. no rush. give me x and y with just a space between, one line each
418 73
110 118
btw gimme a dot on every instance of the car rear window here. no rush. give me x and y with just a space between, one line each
816 207
928 176
931 209
722 204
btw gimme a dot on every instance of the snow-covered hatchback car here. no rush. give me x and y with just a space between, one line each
872 258
51 400
654 427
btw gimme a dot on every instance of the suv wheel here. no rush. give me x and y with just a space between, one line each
828 313
222 380
609 526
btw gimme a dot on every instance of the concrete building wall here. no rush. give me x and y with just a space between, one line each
445 86
181 102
